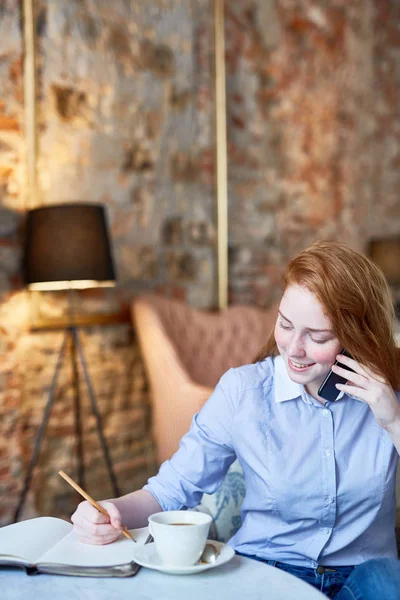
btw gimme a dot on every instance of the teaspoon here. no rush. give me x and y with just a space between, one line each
210 554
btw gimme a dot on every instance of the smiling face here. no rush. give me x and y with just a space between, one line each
305 340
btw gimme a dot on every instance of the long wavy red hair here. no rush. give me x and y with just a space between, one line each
356 298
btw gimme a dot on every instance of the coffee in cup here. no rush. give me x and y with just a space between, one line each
179 536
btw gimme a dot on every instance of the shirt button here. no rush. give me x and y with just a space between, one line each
330 500
314 565
326 530
325 412
327 452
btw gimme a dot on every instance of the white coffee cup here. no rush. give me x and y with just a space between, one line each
179 536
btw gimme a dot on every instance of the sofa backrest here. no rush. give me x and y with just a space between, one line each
209 343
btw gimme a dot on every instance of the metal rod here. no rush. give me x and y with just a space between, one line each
95 412
42 429
77 414
221 151
30 86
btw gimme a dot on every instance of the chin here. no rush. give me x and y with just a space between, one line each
301 379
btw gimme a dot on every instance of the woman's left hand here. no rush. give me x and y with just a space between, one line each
372 388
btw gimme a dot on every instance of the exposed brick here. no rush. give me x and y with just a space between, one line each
172 231
9 123
119 43
180 98
158 58
181 265
70 103
200 233
138 159
184 167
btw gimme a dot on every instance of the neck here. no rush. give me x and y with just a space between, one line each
312 389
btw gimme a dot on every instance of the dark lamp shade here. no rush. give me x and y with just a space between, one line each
67 246
385 252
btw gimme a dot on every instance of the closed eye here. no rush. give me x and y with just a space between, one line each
319 341
288 327
284 326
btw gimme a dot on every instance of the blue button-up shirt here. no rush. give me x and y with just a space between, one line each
320 480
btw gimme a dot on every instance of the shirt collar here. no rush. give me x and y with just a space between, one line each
286 389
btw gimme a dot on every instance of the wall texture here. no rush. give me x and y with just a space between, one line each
313 102
126 118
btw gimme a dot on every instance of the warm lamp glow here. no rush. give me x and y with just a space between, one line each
385 252
48 286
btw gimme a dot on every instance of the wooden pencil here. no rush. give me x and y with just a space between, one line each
92 501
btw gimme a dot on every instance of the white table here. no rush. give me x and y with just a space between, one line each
239 579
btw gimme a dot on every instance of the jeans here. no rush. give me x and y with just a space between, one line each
372 580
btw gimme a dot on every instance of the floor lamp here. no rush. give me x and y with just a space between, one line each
67 247
385 252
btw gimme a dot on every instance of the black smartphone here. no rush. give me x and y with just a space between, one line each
328 389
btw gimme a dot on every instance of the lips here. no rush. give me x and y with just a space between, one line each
299 367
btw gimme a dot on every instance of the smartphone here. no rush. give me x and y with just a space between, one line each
328 389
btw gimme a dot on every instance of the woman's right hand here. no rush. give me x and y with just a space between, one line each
93 527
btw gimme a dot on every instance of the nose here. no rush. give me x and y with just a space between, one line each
296 346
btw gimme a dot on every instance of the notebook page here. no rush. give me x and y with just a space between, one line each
70 551
28 540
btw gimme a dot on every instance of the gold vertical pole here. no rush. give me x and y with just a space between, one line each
30 102
222 179
31 137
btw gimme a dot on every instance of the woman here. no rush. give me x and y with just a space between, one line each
320 476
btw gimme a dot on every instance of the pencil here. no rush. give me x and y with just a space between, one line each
92 502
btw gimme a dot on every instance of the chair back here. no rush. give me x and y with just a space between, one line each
186 351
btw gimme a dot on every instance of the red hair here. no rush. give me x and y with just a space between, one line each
356 298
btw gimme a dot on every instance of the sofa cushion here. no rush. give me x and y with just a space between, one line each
224 505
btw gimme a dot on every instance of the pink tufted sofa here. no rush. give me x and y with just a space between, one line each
185 351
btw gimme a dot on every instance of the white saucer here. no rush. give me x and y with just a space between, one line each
147 556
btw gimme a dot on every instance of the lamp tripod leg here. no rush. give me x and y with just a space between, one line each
77 413
41 430
96 413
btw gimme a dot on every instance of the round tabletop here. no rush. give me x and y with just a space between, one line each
239 579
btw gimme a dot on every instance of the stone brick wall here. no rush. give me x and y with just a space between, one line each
12 183
125 118
126 121
313 103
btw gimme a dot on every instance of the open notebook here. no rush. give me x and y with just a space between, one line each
48 545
